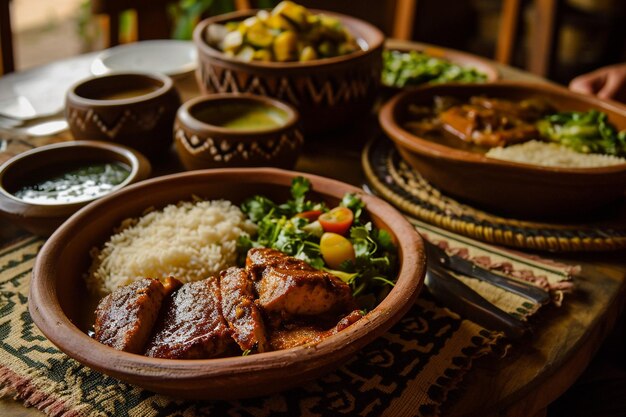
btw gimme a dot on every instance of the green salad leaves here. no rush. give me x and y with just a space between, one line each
413 68
288 227
584 132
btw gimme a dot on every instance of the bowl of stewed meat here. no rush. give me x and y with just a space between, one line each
517 149
226 283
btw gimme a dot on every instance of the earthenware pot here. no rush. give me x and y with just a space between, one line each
509 188
133 109
58 298
43 219
204 139
326 92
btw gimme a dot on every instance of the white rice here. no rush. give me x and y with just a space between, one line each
552 155
190 241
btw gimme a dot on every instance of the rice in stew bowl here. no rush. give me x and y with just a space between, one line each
552 155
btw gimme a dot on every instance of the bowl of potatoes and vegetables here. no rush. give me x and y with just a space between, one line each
325 64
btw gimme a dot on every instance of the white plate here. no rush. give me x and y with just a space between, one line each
169 57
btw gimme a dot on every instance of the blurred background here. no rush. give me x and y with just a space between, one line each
557 39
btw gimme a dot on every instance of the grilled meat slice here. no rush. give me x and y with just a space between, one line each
298 292
289 286
240 311
300 335
125 318
493 121
259 259
191 325
529 110
485 126
351 318
288 338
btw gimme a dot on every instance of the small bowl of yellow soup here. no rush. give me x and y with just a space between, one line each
41 188
133 109
237 130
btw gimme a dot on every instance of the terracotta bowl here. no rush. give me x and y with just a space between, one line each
43 219
327 92
133 109
203 141
508 188
456 57
58 298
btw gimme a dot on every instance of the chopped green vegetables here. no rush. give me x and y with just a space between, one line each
585 132
282 227
413 68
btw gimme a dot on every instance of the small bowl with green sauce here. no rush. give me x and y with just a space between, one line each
42 187
237 130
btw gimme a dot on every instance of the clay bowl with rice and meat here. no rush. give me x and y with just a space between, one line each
226 283
516 149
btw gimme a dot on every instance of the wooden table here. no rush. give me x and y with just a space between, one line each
536 371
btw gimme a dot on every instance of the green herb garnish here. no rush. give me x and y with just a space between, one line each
584 132
413 68
280 228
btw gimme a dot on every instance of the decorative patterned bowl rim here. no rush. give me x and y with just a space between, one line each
389 114
186 118
166 84
376 42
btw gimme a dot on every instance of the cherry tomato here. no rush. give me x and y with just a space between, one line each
338 220
336 249
310 215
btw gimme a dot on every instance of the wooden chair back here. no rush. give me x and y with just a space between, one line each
153 21
543 39
7 62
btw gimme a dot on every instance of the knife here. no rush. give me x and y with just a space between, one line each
469 304
462 266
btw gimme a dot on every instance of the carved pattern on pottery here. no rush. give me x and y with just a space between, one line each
144 121
222 150
321 91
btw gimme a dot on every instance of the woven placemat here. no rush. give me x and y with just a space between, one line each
396 181
408 371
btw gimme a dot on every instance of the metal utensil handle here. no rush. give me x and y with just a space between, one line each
528 291
471 305
463 266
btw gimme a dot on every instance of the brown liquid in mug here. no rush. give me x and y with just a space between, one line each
124 94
